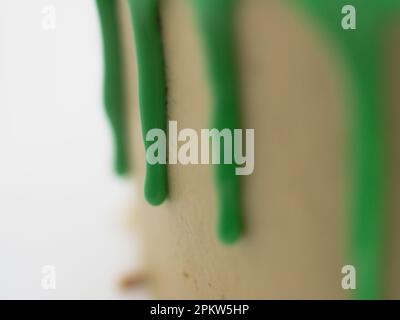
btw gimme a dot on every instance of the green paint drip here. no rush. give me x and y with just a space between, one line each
362 51
216 23
152 88
114 82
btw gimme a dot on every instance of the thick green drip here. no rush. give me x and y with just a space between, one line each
152 88
362 50
216 20
113 82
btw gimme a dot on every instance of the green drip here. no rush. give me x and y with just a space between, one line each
114 82
152 88
369 162
216 23
362 50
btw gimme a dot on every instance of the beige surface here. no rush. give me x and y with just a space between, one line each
294 201
393 236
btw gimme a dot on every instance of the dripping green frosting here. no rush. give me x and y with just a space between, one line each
361 50
152 88
114 82
216 20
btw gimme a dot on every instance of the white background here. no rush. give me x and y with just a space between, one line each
60 203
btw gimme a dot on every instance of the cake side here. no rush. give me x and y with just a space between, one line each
299 146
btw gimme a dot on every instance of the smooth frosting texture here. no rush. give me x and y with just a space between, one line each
114 96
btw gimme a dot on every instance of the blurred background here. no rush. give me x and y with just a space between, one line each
60 203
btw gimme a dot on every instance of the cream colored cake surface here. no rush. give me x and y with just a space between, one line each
292 95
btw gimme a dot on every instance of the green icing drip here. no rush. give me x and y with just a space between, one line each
152 88
362 51
216 20
114 82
